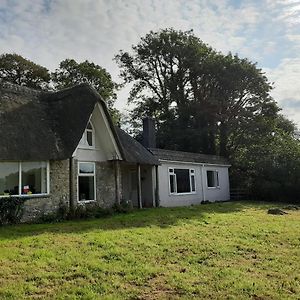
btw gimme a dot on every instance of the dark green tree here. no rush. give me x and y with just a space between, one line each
71 73
19 70
199 98
203 100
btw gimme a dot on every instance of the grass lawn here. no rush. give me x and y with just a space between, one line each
216 251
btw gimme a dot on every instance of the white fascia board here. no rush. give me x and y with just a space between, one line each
193 163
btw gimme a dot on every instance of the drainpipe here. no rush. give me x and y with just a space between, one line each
156 187
139 186
202 180
71 194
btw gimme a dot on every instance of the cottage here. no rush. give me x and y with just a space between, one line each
62 148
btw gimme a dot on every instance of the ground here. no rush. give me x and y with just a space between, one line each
215 251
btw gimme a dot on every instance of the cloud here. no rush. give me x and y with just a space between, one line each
48 31
286 87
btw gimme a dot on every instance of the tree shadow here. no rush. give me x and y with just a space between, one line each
150 217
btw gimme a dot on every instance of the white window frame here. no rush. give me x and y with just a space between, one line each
192 173
216 179
84 141
20 181
86 175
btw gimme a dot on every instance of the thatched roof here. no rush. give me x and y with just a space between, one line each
36 125
133 151
181 156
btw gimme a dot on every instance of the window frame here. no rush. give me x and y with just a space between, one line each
83 143
216 179
192 173
20 180
86 175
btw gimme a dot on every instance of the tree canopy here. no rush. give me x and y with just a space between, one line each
19 70
206 101
199 98
71 73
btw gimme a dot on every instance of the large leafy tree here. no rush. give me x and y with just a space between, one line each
19 70
159 69
71 73
268 161
201 100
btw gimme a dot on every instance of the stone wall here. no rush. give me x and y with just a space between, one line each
105 184
35 208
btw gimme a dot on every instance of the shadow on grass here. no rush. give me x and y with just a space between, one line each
157 217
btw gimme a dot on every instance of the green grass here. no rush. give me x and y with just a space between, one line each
217 251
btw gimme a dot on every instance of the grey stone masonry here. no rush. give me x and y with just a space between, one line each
35 208
105 184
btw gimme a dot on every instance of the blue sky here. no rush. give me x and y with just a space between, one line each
266 31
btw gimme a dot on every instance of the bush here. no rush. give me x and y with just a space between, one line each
11 210
61 214
124 207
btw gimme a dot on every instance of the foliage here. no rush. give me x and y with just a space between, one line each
19 70
11 210
124 207
268 162
205 101
87 211
62 213
199 98
71 73
164 253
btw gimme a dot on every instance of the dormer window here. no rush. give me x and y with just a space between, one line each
88 138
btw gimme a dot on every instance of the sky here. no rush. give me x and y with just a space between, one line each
265 31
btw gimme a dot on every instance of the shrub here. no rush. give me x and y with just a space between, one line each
124 206
11 210
61 214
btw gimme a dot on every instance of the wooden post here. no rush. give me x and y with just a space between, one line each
139 186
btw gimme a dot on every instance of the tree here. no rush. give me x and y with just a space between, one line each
268 161
203 100
71 73
199 98
19 70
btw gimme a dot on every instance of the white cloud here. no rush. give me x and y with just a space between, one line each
286 86
97 29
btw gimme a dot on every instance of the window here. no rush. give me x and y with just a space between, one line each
212 178
88 137
24 178
182 181
86 181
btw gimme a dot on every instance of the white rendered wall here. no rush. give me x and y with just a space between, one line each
105 148
220 193
202 192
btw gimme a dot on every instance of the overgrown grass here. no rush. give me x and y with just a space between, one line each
217 251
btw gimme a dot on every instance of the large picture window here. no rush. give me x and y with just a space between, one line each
23 178
86 181
212 179
182 181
